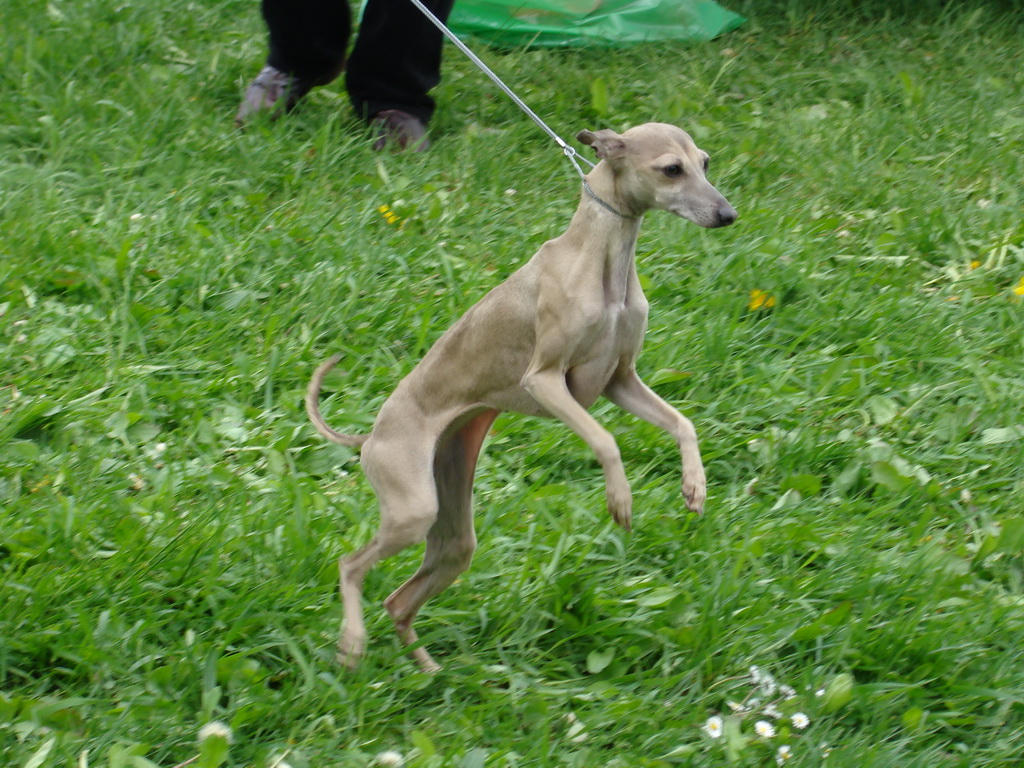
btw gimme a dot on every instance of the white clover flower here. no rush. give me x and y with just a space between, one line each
800 720
755 674
390 759
713 727
784 754
764 729
787 692
772 711
215 728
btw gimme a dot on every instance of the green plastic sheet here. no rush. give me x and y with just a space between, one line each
577 23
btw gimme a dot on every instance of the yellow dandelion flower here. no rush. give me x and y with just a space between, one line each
389 215
975 263
760 300
1019 288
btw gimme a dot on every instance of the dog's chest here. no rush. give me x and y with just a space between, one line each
602 345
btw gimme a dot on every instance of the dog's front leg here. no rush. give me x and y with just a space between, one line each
547 386
629 392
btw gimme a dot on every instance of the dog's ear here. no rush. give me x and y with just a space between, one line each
607 144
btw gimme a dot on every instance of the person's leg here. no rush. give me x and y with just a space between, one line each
308 39
396 59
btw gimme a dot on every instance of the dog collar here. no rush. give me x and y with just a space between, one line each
606 205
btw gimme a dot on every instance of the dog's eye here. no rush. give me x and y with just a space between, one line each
707 163
673 171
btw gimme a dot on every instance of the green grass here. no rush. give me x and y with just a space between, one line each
170 523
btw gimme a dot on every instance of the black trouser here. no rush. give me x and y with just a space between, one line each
395 61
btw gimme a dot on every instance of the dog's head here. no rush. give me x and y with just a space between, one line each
657 165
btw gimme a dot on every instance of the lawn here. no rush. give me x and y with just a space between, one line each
850 351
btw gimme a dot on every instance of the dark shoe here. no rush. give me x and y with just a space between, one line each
272 90
393 126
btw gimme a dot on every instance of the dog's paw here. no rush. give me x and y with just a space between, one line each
427 664
695 490
351 646
620 506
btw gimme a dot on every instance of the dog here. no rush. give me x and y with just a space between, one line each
562 330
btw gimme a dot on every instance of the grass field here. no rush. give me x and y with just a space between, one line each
170 523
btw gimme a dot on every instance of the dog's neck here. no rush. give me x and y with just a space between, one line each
603 187
604 211
600 224
604 203
599 230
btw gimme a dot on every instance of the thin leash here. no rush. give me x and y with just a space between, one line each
568 151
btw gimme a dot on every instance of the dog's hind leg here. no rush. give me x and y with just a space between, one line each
401 476
451 540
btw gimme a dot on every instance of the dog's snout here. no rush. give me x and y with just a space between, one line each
726 215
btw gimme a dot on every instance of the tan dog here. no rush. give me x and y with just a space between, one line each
561 331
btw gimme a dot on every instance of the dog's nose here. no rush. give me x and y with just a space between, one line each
726 215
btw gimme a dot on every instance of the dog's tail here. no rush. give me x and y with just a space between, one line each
313 408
